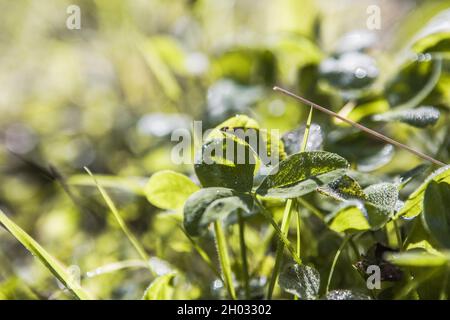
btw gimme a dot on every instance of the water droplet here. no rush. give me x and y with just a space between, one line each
360 73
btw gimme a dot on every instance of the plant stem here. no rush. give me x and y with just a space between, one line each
280 247
133 240
306 134
280 234
202 254
333 265
224 259
399 235
244 255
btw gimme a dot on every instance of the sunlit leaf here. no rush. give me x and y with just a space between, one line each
302 173
413 205
344 188
383 195
416 258
435 36
160 288
169 190
357 216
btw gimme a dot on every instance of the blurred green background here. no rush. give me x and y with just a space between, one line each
109 95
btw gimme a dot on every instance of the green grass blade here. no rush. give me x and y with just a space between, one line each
287 218
333 265
203 255
243 247
140 250
280 247
224 259
53 265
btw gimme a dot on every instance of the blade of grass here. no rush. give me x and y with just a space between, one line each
279 233
361 127
203 255
51 263
333 265
132 185
112 207
224 259
244 255
280 248
287 219
116 266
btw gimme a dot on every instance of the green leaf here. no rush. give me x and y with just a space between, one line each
350 70
349 218
239 121
243 127
302 173
300 280
436 211
211 204
169 190
416 258
383 195
414 204
346 295
344 188
233 169
435 36
420 117
53 265
128 184
160 288
355 216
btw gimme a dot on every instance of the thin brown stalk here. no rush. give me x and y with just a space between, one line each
360 127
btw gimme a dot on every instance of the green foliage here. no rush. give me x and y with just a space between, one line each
300 280
419 259
160 288
302 173
121 92
169 189
420 117
344 188
414 204
216 169
436 211
44 257
212 204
